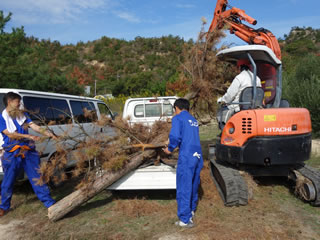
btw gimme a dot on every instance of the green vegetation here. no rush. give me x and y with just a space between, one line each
301 76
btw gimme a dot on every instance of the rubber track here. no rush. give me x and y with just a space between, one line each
314 176
230 184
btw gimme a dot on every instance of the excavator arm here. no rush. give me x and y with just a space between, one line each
233 17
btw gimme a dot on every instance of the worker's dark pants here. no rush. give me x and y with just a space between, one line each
188 181
12 165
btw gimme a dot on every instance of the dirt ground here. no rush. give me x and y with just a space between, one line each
7 230
273 213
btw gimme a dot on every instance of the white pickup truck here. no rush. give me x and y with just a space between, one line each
147 111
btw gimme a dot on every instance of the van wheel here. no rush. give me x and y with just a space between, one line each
56 184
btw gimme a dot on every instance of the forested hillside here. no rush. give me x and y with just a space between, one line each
141 66
117 66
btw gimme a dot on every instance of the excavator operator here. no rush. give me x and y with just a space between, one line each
240 82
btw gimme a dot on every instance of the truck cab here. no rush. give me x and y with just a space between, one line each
148 110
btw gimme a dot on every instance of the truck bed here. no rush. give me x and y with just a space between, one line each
147 178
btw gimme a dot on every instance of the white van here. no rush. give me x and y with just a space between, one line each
148 110
67 114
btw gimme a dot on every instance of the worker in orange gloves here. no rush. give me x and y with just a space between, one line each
19 151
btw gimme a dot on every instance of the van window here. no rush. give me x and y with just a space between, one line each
2 107
104 110
153 110
93 113
39 109
78 110
61 111
44 110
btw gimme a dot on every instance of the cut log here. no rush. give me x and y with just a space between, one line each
80 196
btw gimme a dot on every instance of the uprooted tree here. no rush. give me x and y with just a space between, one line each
202 76
101 180
102 159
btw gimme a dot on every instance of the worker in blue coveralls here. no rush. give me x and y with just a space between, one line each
19 151
185 135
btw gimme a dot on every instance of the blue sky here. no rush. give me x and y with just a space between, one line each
71 21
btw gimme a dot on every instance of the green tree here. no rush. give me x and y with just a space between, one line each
29 64
301 87
12 47
4 20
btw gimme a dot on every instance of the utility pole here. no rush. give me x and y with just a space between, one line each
118 76
95 87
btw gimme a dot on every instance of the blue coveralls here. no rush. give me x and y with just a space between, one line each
12 164
185 135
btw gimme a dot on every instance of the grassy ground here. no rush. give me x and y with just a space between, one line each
273 213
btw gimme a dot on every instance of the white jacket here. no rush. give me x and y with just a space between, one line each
240 82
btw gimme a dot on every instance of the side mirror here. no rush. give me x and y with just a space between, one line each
114 115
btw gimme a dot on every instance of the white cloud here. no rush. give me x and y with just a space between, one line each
127 16
185 6
50 11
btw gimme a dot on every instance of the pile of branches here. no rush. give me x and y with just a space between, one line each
98 153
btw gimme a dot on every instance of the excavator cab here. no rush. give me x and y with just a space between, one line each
264 64
268 140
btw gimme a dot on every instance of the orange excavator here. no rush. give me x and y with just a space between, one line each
266 137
